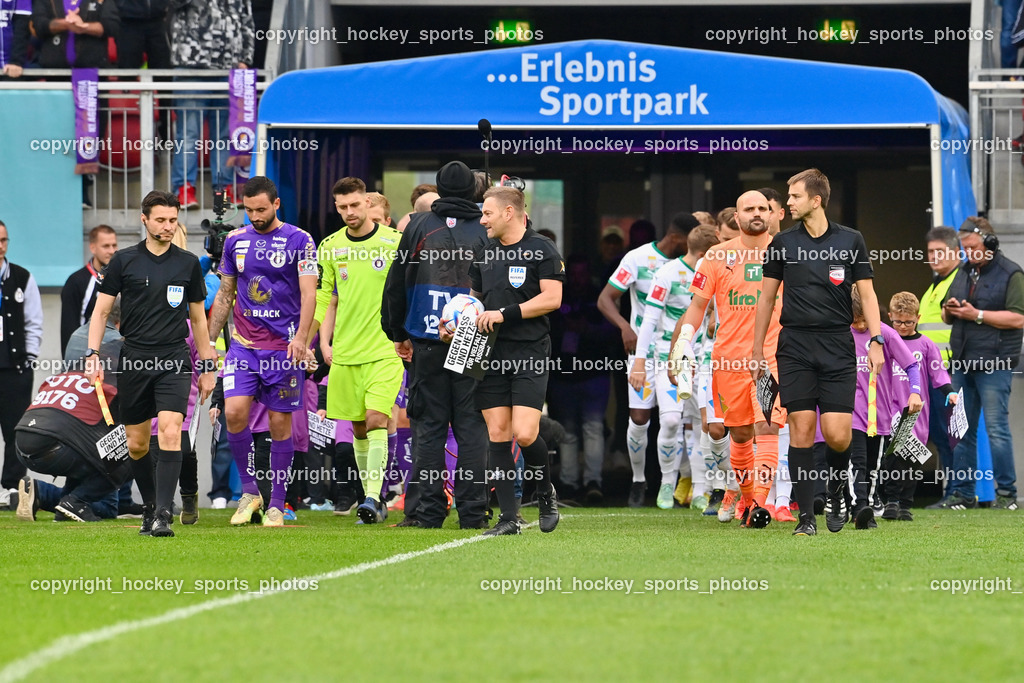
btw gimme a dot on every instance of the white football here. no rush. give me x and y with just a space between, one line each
458 306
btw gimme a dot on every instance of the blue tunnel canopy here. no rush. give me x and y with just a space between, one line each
602 84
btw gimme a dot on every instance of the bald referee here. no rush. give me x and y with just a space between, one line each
819 261
518 276
161 287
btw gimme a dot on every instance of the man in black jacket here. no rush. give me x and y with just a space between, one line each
985 306
21 334
78 296
75 38
431 266
144 30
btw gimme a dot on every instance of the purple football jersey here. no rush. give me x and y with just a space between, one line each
268 267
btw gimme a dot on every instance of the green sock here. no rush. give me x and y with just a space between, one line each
376 459
362 449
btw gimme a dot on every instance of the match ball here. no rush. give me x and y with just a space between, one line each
458 306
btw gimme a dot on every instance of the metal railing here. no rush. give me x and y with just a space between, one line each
142 137
996 111
997 165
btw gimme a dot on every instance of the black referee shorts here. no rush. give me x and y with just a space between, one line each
151 382
817 370
518 376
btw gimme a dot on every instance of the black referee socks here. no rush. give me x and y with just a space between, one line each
501 472
537 459
801 462
168 468
838 464
142 471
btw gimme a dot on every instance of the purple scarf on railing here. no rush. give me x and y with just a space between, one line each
69 48
85 91
241 116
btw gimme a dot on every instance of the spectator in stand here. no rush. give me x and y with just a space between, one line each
1007 50
261 11
75 36
78 296
214 35
15 18
143 33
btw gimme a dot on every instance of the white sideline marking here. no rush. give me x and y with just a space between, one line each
67 645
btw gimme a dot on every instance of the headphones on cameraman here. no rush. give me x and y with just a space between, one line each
989 240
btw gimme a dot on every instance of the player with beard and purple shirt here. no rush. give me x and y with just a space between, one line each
269 273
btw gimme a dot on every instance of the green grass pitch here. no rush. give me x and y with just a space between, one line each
858 605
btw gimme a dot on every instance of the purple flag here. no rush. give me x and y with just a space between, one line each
85 89
241 116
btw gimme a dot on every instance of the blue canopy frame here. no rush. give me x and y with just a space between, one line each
609 85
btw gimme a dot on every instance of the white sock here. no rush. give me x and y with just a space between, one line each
669 447
636 445
698 471
720 456
783 484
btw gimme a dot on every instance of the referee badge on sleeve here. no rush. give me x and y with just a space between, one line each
516 276
175 295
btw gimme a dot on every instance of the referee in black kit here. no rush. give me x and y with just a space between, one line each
818 261
161 287
519 278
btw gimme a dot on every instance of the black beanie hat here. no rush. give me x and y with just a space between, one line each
456 180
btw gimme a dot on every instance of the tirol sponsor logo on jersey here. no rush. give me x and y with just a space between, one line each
175 295
737 299
516 276
836 274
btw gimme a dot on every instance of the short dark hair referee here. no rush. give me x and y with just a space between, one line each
161 287
818 262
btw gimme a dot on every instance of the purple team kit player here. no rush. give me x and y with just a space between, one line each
271 266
